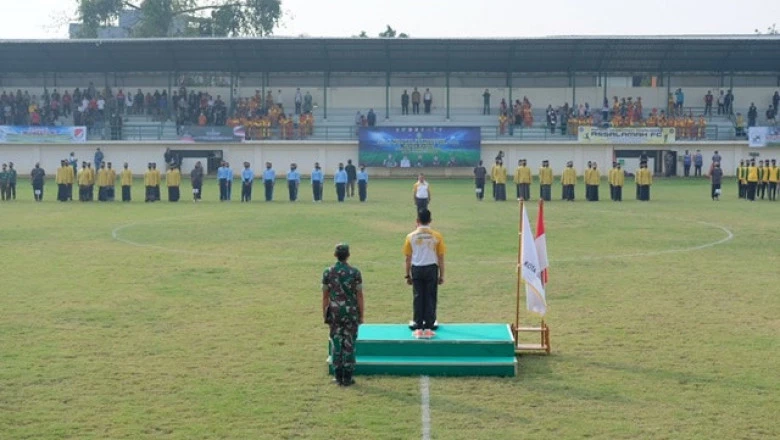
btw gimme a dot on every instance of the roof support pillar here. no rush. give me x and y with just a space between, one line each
170 92
387 95
573 84
510 105
325 96
604 85
668 91
447 82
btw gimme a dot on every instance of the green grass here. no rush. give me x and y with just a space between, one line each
202 321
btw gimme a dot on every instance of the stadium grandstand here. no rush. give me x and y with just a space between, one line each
515 89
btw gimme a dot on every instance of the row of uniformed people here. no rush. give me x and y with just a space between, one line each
758 180
591 178
106 178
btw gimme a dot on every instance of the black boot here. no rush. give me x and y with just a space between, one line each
347 379
338 376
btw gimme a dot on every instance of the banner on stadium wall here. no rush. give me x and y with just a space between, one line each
760 137
640 135
15 134
419 146
196 133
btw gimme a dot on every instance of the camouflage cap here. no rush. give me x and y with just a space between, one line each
342 247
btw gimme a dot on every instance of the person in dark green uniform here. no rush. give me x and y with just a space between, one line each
5 178
342 309
12 180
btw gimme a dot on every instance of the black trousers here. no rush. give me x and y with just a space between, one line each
751 190
617 192
156 192
427 106
545 192
103 193
762 189
199 187
362 190
316 190
91 192
12 189
246 191
173 194
269 190
110 193
69 191
404 109
223 190
480 188
38 187
341 191
126 193
421 204
524 191
592 193
149 194
715 188
83 193
350 188
425 286
416 108
500 191
697 171
687 170
742 188
568 192
61 192
772 190
292 186
644 193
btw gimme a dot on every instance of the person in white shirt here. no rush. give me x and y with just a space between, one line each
427 100
405 162
279 100
101 105
424 250
421 192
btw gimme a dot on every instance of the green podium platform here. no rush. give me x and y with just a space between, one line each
456 350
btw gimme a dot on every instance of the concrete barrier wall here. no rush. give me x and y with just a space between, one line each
330 153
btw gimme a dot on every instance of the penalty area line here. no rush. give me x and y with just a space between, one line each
425 406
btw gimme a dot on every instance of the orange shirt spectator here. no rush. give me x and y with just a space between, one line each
202 120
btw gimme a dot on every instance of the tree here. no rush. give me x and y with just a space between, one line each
171 18
770 30
388 33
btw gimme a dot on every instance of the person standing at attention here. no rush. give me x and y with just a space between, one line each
343 311
424 250
102 182
427 100
415 101
340 179
498 175
247 177
486 102
362 179
317 177
60 180
698 160
479 180
293 181
774 178
269 179
351 178
568 180
618 180
148 183
716 174
36 177
173 181
545 181
523 180
126 181
644 178
196 180
421 192
687 163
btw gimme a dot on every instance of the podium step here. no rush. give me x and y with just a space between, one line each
456 350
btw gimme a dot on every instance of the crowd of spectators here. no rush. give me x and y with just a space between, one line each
264 117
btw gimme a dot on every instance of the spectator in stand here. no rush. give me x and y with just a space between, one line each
486 102
503 108
371 118
721 103
298 101
698 160
358 121
405 103
415 101
729 102
202 120
740 125
776 100
679 98
708 103
427 100
308 106
770 115
67 104
752 115
279 100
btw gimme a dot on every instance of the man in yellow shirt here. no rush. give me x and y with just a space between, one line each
157 181
424 250
126 180
523 180
741 182
545 181
752 180
92 176
643 180
83 182
61 180
173 180
764 184
149 183
568 180
592 181
498 174
111 181
618 180
774 178
102 183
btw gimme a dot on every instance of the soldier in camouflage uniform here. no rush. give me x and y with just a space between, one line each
342 308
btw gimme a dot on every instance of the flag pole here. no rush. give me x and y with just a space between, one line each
519 272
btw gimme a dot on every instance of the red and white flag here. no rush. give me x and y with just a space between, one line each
541 243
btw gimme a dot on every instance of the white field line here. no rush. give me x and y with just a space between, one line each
425 406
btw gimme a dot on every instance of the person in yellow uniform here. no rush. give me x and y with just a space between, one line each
618 180
752 180
61 180
157 181
523 180
83 182
764 184
173 180
149 183
741 182
592 181
111 181
545 181
102 183
644 178
92 180
70 179
498 175
568 180
126 180
610 180
774 178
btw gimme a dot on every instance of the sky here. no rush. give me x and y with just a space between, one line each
47 19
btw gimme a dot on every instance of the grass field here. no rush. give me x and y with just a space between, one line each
202 321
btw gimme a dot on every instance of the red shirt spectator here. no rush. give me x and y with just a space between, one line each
35 119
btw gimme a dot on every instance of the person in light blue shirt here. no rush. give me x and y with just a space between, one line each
222 179
247 177
341 182
316 182
269 178
229 177
362 180
293 181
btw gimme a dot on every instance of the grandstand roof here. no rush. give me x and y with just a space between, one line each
650 54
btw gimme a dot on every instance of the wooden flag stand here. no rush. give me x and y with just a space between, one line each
543 330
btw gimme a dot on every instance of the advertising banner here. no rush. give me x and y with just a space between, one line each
420 146
639 135
760 137
196 133
42 135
